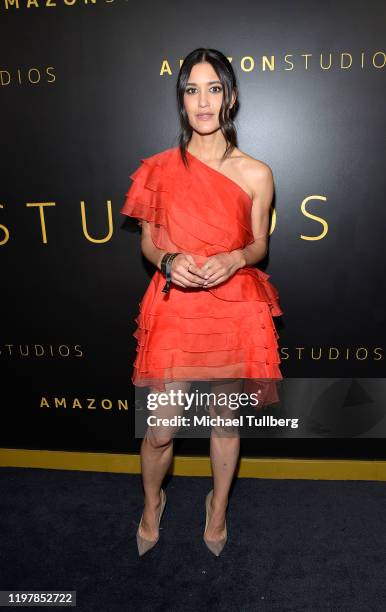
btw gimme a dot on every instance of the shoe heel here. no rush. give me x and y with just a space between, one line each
214 546
144 545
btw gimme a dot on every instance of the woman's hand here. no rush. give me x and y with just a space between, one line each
218 268
185 273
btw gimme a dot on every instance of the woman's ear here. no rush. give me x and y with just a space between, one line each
233 101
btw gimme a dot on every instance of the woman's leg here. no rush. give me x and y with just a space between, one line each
224 454
156 457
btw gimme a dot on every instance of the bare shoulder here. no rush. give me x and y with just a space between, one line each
255 168
255 174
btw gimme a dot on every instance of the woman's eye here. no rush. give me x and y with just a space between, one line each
190 90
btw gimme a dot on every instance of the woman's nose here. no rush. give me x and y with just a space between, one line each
203 100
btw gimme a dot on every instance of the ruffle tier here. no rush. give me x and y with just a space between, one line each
219 340
146 197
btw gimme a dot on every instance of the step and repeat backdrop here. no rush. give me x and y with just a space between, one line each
87 89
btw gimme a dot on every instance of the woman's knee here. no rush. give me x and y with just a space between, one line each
159 440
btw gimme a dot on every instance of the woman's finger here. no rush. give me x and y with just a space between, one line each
216 281
193 269
185 280
187 273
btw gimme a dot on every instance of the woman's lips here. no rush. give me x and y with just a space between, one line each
205 117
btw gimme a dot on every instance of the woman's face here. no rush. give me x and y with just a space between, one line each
203 98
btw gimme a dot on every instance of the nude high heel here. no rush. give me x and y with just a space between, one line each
215 546
143 544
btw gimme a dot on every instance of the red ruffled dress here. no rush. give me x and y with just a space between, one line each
224 332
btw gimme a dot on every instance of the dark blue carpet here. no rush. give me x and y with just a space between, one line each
292 545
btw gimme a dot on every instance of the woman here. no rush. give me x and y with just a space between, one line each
204 211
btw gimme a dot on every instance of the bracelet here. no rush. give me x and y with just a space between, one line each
166 268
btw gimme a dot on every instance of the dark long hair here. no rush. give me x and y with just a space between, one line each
227 77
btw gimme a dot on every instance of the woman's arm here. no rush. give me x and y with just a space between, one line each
179 269
150 251
263 188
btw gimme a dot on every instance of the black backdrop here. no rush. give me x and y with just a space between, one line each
87 90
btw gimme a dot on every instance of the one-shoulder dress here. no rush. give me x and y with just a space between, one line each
225 332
